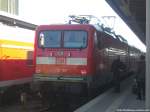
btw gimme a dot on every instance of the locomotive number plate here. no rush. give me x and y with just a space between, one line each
60 61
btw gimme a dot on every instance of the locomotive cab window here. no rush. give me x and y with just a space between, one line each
75 39
50 39
63 39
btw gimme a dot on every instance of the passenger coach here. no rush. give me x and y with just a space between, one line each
16 55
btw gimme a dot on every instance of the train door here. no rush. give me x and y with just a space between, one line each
100 60
108 42
96 59
127 58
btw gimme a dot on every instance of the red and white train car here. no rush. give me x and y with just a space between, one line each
16 53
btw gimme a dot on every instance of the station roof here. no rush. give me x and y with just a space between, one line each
133 12
16 21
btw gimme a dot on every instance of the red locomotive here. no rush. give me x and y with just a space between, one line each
78 54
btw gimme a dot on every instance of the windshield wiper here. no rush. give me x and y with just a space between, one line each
81 47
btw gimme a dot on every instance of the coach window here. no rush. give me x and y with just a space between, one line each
29 61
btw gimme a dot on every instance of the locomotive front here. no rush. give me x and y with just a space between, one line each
63 54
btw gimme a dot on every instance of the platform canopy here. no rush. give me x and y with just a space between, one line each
133 12
16 21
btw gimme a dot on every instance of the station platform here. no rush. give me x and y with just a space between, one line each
125 101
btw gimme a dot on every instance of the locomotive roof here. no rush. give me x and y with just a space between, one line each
84 26
65 26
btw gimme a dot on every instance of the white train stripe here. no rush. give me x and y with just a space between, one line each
15 82
69 61
16 47
76 61
45 60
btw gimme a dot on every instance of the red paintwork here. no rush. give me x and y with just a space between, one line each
64 70
15 70
99 59
75 53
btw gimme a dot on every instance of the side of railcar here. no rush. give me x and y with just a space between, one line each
16 58
134 55
108 48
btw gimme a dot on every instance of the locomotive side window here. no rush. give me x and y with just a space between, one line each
99 43
50 39
75 39
95 39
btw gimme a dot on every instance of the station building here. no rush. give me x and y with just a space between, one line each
10 6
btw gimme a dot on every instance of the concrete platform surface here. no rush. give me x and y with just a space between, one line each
125 101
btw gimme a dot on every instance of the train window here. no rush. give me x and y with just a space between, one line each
122 39
100 44
50 39
75 39
41 40
29 60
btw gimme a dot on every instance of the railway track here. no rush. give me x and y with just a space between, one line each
62 103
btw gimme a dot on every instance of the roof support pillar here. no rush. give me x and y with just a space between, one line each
148 54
